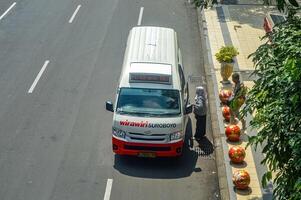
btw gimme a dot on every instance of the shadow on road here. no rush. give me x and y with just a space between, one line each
161 168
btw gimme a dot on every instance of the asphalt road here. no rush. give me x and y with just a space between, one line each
59 62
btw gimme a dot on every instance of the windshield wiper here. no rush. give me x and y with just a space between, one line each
168 113
145 114
123 112
148 114
132 113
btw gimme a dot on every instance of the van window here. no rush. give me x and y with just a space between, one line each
183 84
182 77
141 101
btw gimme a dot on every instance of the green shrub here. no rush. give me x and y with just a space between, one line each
275 102
226 54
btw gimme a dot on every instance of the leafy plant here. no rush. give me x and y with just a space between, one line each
275 100
226 54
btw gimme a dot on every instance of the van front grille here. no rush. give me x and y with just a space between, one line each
146 137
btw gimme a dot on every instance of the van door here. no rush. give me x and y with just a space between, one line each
184 86
185 96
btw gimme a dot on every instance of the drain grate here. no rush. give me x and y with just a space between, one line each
204 152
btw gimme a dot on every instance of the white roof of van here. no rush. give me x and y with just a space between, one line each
152 44
147 44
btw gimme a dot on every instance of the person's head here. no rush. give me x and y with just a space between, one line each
200 92
235 77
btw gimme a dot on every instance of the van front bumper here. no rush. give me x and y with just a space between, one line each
121 147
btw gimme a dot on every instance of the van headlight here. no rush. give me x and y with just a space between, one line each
118 132
175 136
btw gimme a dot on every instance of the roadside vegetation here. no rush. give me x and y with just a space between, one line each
275 102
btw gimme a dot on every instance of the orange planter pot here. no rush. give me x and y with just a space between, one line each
237 154
233 132
224 95
226 113
241 179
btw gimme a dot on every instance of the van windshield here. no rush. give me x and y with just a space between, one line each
141 101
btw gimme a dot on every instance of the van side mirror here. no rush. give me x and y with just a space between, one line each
188 109
109 106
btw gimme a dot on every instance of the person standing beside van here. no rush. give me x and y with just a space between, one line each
200 112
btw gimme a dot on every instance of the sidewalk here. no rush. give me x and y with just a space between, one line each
239 24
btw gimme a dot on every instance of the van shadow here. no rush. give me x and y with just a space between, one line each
163 168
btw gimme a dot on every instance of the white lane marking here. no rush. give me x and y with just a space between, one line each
75 12
38 77
3 15
108 189
140 16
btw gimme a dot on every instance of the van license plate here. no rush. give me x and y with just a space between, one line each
147 154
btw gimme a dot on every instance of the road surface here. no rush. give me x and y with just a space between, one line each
59 62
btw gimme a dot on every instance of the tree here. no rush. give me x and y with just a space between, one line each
275 102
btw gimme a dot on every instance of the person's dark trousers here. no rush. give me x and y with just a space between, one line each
200 126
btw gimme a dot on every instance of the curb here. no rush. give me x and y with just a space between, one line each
215 121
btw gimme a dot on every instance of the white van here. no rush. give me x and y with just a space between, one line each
152 102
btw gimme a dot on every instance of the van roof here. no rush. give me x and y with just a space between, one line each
148 44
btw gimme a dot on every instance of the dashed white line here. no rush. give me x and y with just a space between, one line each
74 14
3 15
108 189
140 16
38 77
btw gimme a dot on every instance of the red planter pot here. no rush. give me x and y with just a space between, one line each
226 113
237 154
241 179
233 132
224 95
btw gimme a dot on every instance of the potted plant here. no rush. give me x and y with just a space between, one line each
225 56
